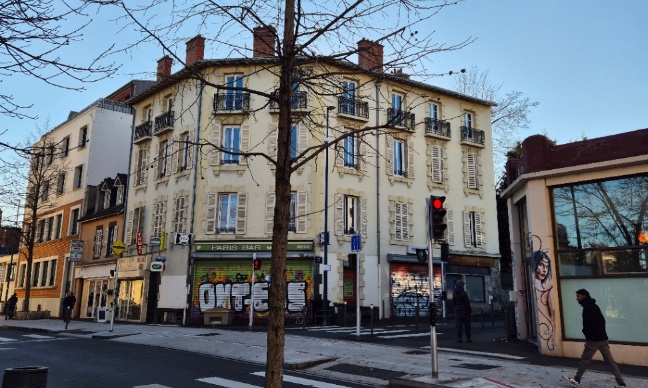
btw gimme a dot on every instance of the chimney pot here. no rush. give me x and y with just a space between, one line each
195 50
370 55
164 67
264 41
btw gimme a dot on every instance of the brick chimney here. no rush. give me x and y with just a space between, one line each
164 68
370 55
195 50
264 41
399 73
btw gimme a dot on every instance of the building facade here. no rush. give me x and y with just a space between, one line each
578 219
214 209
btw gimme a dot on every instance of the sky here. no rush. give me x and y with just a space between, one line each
583 61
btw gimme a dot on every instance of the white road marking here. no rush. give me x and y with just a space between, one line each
38 336
404 335
306 382
5 339
217 381
500 355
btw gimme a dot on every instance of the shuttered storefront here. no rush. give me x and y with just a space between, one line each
410 286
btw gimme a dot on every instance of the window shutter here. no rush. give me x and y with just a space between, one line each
144 167
174 155
301 211
190 150
270 205
479 238
97 243
46 228
272 140
471 161
362 153
450 223
245 143
241 213
339 215
104 244
410 159
211 213
302 139
158 163
363 217
114 236
398 221
129 228
437 164
389 155
467 234
215 139
405 221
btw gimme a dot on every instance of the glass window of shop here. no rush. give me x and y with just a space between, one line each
597 229
131 293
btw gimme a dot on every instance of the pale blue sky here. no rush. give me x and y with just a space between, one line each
583 61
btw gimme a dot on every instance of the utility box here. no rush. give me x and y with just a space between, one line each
218 316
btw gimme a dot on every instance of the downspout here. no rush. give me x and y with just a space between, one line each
192 209
378 84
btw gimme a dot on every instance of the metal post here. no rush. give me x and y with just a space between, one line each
433 339
326 233
114 301
358 317
371 319
252 292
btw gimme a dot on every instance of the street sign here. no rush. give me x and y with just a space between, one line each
356 243
155 241
118 247
157 266
76 250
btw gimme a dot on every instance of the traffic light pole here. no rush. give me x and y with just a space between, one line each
433 339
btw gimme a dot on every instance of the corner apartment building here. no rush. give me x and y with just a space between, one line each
578 218
206 213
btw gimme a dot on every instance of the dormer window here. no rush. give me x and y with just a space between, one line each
106 202
120 195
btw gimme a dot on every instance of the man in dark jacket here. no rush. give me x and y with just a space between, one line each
596 339
463 311
11 306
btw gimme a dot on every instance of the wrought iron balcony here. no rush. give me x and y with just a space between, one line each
143 132
473 135
437 127
400 118
353 107
163 123
298 101
229 102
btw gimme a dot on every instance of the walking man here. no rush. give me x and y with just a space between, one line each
463 312
596 339
11 306
68 305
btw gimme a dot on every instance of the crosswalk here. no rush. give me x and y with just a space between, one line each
7 342
258 378
384 332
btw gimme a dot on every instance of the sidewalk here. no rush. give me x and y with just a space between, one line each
352 360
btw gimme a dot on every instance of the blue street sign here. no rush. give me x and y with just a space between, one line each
356 243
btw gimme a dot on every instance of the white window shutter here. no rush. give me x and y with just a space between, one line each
241 213
145 166
129 228
272 140
97 243
362 153
158 162
363 217
479 240
137 170
174 155
339 214
410 159
405 221
210 227
270 205
190 150
215 139
389 155
471 161
450 223
467 234
302 138
398 221
302 202
437 164
245 142
105 241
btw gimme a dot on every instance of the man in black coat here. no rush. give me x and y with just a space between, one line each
596 339
11 306
463 311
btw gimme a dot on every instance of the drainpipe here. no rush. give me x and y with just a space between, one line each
378 84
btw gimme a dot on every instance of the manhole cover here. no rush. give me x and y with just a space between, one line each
477 366
383 374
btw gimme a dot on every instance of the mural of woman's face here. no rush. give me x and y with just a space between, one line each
542 269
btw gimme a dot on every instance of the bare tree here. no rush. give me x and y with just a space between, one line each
32 35
509 117
308 48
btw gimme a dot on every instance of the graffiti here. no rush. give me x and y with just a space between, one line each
410 287
237 296
543 288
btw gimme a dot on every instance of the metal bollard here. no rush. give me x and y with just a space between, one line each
371 319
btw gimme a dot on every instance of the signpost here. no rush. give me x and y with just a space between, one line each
118 247
356 246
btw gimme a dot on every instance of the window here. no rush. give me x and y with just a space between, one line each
472 171
23 274
65 147
96 252
45 188
348 98
475 288
135 224
473 233
401 221
437 164
227 213
292 222
148 113
349 154
468 120
396 112
162 159
185 152
294 140
158 219
399 158
433 111
78 176
49 223
35 273
106 197
120 195
111 238
52 273
142 166
83 137
74 221
232 143
180 214
350 215
43 273
40 233
298 207
168 103
234 98
58 222
60 184
50 155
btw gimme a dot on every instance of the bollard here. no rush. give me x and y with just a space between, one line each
25 377
371 319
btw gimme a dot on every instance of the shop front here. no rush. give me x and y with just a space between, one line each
224 276
410 286
133 283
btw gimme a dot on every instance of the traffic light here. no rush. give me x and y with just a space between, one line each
422 255
445 252
433 314
437 218
257 264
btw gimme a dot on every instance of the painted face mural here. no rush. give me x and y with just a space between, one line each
543 288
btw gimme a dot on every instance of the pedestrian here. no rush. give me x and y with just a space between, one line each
68 305
11 306
463 312
596 339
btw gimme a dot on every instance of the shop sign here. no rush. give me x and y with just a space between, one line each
139 243
156 266
251 246
135 263
160 259
76 250
155 241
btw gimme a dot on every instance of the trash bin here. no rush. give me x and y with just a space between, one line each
25 377
340 313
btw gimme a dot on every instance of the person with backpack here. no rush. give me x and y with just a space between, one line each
11 306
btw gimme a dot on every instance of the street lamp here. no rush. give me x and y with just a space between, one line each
326 233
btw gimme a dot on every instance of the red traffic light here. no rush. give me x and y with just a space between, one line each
437 202
257 264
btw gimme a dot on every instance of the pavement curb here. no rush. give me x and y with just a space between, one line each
102 336
306 364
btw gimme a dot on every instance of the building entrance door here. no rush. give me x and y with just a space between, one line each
131 294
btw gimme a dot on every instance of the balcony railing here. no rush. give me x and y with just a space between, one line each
473 135
298 101
163 123
143 132
401 118
353 107
228 102
437 127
